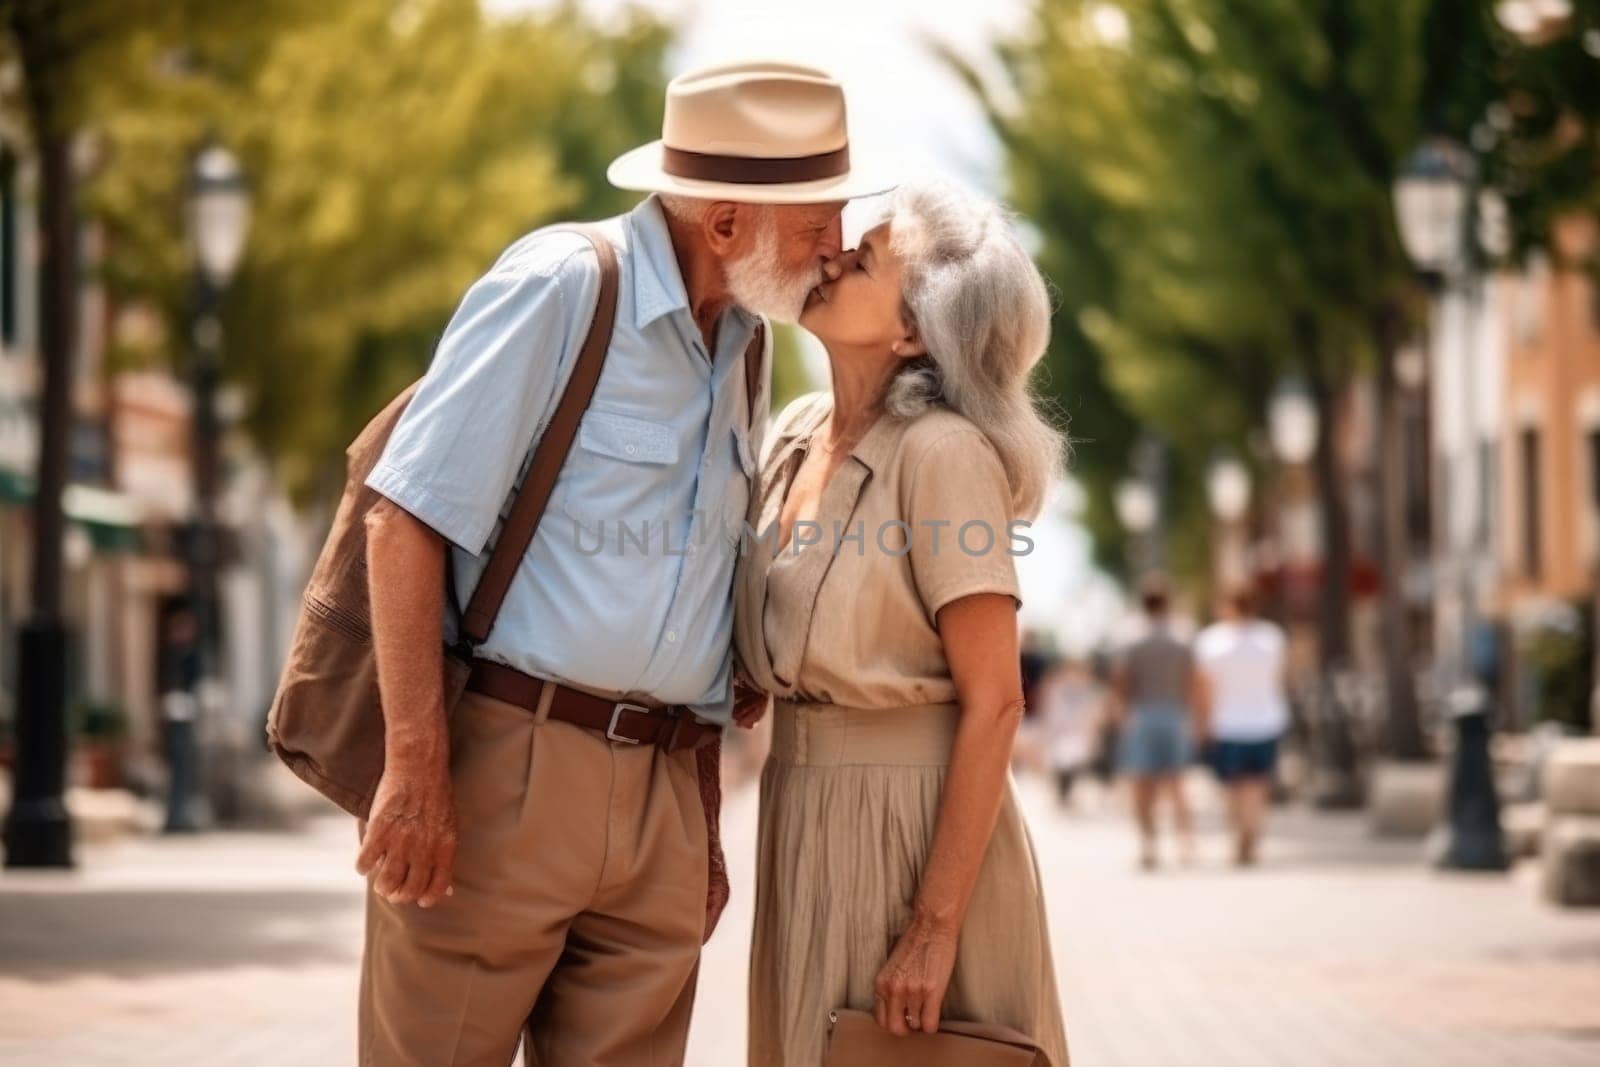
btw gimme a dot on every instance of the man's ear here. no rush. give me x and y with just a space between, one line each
723 226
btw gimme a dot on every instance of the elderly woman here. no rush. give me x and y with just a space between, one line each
876 600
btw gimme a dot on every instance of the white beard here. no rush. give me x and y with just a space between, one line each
758 285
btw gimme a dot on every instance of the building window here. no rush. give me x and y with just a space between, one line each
1528 466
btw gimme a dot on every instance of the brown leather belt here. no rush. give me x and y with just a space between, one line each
673 727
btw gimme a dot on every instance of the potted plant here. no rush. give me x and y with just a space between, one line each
102 727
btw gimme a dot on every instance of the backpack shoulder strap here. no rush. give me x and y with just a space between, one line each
752 370
550 453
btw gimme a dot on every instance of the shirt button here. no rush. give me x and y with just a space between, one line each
630 449
672 635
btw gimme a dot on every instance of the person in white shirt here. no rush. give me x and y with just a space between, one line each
1241 660
1072 708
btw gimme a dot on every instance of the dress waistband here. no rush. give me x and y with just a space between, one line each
830 735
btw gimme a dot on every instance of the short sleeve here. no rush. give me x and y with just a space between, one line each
788 421
959 509
455 451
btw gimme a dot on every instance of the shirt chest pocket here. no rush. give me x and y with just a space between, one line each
618 470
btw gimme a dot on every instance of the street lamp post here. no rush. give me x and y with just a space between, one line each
1228 492
1437 200
38 831
1137 507
1138 502
1433 202
1293 426
218 220
1432 198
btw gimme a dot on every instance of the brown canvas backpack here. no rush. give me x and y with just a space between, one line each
326 721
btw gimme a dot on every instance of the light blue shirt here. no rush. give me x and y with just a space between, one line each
660 469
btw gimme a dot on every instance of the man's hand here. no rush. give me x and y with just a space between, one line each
409 844
749 705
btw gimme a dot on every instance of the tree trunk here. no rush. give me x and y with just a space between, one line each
1333 607
1403 725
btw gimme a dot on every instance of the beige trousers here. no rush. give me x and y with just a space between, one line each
579 906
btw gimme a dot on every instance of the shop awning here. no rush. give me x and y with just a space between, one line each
110 518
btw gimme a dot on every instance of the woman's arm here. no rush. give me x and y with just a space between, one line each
980 642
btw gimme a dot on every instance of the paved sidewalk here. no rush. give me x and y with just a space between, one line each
216 949
1338 950
242 949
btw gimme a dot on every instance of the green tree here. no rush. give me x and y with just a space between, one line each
1528 104
1213 180
382 188
1235 164
1215 186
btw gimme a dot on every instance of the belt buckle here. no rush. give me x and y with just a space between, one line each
616 714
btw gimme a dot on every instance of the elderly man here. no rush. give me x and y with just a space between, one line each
525 865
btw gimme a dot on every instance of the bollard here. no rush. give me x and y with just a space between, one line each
1473 839
183 763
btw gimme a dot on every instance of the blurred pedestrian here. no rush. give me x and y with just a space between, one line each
1036 659
1103 762
1071 705
1242 662
1155 708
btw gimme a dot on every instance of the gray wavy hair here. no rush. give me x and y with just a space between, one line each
982 310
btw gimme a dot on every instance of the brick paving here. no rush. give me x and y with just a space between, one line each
242 949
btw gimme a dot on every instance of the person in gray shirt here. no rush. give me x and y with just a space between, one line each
1157 708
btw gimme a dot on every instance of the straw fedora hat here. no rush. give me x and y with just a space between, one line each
769 133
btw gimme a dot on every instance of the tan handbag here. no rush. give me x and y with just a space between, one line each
856 1040
326 722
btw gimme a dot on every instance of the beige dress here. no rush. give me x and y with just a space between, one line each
864 717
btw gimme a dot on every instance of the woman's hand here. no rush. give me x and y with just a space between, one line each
912 983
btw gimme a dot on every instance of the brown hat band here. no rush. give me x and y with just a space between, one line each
752 170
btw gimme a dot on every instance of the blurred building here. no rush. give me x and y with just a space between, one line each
1549 456
1514 420
1549 467
129 505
